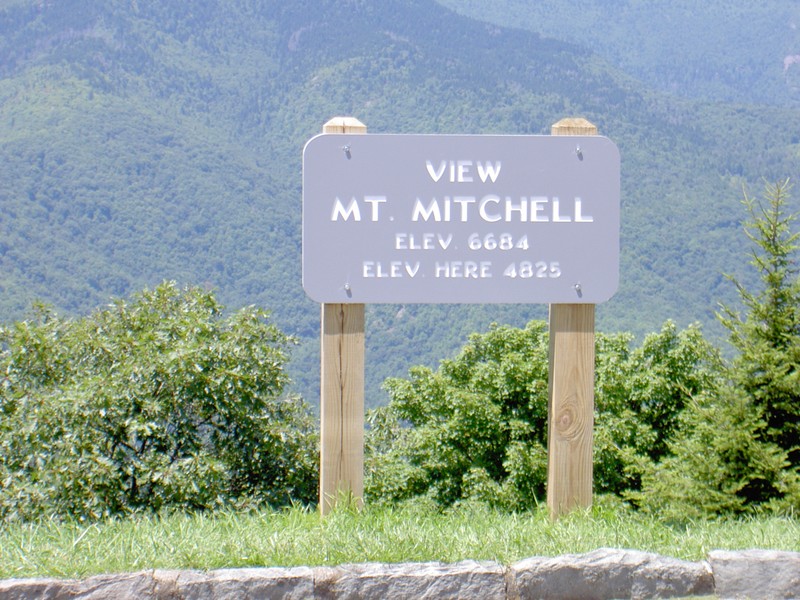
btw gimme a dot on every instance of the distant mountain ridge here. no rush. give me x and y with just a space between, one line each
142 141
739 51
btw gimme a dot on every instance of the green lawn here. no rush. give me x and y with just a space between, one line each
299 537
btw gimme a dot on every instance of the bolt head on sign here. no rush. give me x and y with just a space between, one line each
460 219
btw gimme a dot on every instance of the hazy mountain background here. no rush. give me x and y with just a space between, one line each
727 51
150 140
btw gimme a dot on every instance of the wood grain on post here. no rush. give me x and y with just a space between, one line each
571 389
342 387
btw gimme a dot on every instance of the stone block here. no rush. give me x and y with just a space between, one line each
421 581
235 584
33 589
609 574
756 574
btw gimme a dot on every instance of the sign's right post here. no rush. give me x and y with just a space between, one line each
571 389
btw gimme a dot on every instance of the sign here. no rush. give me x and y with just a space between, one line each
460 219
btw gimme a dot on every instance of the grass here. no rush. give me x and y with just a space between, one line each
379 534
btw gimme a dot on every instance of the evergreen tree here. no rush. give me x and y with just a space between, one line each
718 464
767 337
736 448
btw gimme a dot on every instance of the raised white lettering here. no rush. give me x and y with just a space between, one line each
537 207
460 171
432 211
424 241
340 211
493 209
464 202
373 269
463 173
579 216
521 208
463 269
436 174
482 209
488 170
557 218
375 201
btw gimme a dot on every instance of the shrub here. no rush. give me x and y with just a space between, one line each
157 402
477 427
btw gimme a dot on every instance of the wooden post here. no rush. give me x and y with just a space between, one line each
571 389
342 387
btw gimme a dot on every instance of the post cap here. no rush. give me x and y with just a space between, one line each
573 126
344 125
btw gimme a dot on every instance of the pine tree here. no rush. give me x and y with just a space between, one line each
736 447
767 337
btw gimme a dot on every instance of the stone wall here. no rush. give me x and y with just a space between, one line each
603 574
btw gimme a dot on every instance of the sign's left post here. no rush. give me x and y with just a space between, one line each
342 387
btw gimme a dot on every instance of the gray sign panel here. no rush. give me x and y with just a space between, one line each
460 219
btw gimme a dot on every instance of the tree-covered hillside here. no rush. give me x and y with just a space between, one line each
144 140
744 52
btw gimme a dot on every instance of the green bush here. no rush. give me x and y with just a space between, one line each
460 432
159 402
477 427
639 398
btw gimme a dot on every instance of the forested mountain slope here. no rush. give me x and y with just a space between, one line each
143 140
744 52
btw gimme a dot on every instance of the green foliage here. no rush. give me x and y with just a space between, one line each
640 395
767 337
476 428
737 448
157 402
144 141
729 51
720 465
